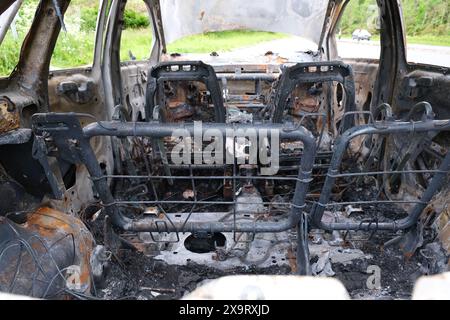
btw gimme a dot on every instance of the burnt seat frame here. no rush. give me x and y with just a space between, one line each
384 129
183 71
315 72
61 135
64 131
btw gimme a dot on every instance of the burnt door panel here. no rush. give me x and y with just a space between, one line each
134 84
424 83
365 73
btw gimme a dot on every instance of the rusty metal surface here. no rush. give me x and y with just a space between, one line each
46 257
9 117
444 237
441 205
303 101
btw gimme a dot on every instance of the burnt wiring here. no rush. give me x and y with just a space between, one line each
41 274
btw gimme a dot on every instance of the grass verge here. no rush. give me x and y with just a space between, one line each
221 41
429 40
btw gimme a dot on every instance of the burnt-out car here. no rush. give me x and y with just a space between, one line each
268 164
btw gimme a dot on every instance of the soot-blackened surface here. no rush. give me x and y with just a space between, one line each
142 277
135 276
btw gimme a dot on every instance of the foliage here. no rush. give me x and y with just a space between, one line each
134 20
89 18
131 20
426 21
421 17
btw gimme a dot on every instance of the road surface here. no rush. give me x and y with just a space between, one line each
436 55
289 48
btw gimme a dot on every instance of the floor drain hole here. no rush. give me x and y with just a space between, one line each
204 244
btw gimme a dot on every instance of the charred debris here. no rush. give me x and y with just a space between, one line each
94 206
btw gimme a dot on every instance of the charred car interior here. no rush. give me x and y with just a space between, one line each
141 179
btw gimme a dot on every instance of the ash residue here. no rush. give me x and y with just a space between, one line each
133 275
140 277
397 274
